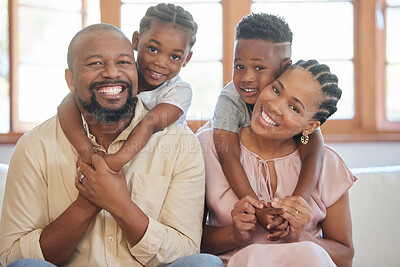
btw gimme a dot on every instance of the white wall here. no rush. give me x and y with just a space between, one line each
356 155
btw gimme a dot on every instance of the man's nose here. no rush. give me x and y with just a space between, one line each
111 71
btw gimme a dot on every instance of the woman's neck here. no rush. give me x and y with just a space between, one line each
266 148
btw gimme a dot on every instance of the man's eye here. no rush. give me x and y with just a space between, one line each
94 63
125 62
276 90
175 57
260 68
239 67
294 108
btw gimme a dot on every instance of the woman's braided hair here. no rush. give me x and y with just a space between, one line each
173 14
329 87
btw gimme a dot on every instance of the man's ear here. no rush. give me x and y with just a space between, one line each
135 40
311 127
69 77
189 56
286 63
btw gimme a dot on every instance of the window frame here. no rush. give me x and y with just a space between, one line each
369 122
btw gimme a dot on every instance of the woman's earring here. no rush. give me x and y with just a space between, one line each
304 139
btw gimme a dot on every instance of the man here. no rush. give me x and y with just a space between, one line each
148 214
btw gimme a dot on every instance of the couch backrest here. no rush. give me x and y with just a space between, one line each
3 175
374 204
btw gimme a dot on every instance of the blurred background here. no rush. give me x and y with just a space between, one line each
359 40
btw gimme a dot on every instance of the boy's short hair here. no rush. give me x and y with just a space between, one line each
265 27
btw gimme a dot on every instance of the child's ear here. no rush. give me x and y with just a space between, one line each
311 127
189 56
135 40
69 78
286 63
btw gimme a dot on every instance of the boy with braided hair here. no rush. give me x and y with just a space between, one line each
262 52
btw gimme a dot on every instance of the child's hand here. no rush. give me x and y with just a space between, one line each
86 156
114 162
270 218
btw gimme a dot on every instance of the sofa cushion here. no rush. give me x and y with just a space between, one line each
374 204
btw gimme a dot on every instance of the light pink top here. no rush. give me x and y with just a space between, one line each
334 181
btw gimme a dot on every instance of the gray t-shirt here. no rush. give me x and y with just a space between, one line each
231 112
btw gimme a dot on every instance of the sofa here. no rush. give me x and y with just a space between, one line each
374 200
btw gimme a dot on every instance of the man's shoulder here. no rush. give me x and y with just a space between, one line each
42 132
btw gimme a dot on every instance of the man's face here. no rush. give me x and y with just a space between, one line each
104 76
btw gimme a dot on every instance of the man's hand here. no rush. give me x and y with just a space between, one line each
102 186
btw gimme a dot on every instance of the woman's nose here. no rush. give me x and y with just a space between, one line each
275 106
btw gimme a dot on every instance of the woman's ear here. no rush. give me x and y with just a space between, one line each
69 78
311 127
187 59
135 40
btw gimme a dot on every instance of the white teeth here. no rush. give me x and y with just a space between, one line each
268 119
156 73
110 90
248 90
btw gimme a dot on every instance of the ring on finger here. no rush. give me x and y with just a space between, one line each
81 177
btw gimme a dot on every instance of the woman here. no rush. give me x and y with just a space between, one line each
316 232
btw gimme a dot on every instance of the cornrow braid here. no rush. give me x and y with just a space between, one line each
265 27
329 87
173 14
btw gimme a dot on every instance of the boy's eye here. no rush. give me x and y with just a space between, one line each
239 67
153 49
176 57
276 91
260 68
294 108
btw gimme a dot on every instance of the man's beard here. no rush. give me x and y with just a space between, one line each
109 116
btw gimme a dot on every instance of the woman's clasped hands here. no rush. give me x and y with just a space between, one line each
284 219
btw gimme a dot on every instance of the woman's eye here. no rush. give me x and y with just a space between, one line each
294 108
276 91
239 67
175 57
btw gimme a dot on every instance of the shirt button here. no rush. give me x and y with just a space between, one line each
110 239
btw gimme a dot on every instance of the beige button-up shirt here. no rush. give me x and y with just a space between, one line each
165 179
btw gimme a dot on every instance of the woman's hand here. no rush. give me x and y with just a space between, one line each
270 218
244 219
297 213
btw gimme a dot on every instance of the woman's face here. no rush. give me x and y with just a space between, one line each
285 108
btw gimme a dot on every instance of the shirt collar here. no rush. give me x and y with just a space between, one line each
140 112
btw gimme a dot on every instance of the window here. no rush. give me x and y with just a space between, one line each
358 39
392 60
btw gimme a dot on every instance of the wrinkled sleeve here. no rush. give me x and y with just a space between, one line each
24 212
336 178
227 115
179 95
177 231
